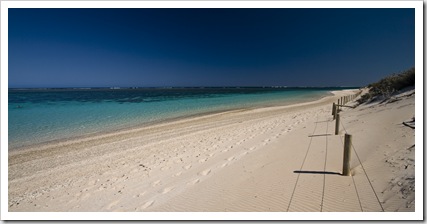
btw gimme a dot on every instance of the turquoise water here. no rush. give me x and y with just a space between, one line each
41 115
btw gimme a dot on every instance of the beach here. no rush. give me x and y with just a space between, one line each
270 159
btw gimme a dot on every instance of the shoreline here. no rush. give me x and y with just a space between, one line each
102 134
240 161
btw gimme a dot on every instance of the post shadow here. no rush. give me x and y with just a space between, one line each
316 172
320 135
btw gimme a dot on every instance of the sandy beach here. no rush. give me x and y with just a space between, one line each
281 159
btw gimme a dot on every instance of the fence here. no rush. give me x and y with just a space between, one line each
348 144
348 137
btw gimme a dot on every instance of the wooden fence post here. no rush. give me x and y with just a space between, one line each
347 155
333 109
337 110
337 123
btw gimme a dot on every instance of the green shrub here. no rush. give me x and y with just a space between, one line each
389 85
365 97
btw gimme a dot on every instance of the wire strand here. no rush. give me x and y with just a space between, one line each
305 157
354 183
324 168
363 168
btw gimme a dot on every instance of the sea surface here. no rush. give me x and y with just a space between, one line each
42 115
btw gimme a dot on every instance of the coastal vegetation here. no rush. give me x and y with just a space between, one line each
389 85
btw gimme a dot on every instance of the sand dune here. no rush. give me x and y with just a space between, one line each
279 159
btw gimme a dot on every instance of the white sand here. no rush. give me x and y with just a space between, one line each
267 159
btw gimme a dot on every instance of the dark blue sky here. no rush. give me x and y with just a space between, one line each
208 47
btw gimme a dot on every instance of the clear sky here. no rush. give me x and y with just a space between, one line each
208 47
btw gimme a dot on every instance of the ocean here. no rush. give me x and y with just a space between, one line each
42 115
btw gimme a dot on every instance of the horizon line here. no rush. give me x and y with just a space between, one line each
181 87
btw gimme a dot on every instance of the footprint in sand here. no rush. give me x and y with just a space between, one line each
166 190
187 167
178 161
205 172
193 182
139 195
92 182
147 204
134 170
84 196
165 168
112 204
155 183
239 142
